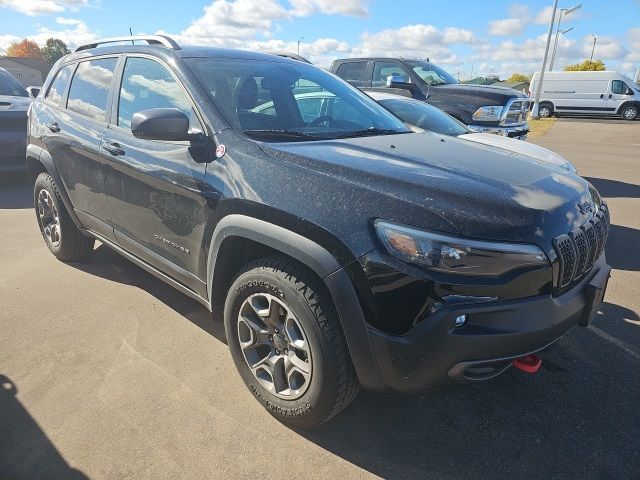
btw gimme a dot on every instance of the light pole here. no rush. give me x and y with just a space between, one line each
594 47
553 57
299 40
566 12
536 101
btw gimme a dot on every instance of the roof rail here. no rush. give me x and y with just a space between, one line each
150 39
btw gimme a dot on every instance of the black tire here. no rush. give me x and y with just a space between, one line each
629 112
69 244
545 110
333 383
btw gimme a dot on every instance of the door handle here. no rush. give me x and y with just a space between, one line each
602 95
54 127
113 148
610 95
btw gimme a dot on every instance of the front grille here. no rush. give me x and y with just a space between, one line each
516 113
578 250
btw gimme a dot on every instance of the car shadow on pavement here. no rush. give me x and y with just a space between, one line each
107 264
15 192
614 188
25 450
573 419
621 254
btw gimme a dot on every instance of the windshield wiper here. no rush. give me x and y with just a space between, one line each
370 132
282 134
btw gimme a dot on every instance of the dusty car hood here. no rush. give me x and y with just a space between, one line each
518 146
483 191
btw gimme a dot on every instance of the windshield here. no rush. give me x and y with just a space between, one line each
11 87
430 73
292 101
425 117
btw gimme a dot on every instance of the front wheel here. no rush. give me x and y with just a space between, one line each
630 112
287 343
60 234
545 110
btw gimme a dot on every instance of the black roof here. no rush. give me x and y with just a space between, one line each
35 63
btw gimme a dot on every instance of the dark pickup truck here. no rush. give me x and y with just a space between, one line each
482 107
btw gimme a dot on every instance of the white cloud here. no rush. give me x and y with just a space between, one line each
74 32
42 7
543 17
354 8
6 40
607 48
633 37
506 27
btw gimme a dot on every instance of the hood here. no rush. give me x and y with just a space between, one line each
12 103
524 148
483 191
495 95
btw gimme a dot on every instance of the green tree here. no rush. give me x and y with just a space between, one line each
518 78
586 66
54 49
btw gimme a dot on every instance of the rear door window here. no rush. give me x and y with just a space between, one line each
90 88
354 73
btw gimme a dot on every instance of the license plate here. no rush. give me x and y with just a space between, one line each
594 293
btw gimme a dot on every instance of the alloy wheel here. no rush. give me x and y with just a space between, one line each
49 217
275 346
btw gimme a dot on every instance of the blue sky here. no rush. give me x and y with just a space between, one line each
464 37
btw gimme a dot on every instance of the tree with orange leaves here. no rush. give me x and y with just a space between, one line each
24 48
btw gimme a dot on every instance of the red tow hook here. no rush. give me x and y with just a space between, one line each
528 363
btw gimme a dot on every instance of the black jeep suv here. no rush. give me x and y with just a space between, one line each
340 249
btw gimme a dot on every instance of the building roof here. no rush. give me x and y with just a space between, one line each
510 84
34 63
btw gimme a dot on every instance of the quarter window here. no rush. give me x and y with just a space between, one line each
147 84
59 84
90 87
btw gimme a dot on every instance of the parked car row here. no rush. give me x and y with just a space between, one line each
14 102
340 248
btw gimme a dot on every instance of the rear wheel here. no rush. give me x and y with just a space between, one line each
545 110
60 234
629 112
287 343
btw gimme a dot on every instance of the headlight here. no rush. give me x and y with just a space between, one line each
490 113
457 255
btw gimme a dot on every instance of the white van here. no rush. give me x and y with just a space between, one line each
593 93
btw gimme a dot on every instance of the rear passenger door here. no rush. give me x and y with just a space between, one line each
154 187
75 119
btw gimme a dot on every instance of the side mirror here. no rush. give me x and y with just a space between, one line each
628 91
33 91
168 124
399 81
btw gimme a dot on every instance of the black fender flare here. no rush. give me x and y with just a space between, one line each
43 157
325 266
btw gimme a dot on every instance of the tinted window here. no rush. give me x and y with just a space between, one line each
147 84
59 84
90 87
430 73
382 70
619 87
273 101
425 116
10 86
353 71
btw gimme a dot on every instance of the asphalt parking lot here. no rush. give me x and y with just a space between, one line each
105 372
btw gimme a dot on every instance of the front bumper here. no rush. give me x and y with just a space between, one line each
495 333
517 131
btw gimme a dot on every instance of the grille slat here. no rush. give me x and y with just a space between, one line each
579 250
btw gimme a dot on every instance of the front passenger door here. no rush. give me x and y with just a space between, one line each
618 95
154 187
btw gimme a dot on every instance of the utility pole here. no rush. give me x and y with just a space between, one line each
299 40
594 48
534 110
566 12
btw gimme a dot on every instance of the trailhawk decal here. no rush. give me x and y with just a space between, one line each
172 244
